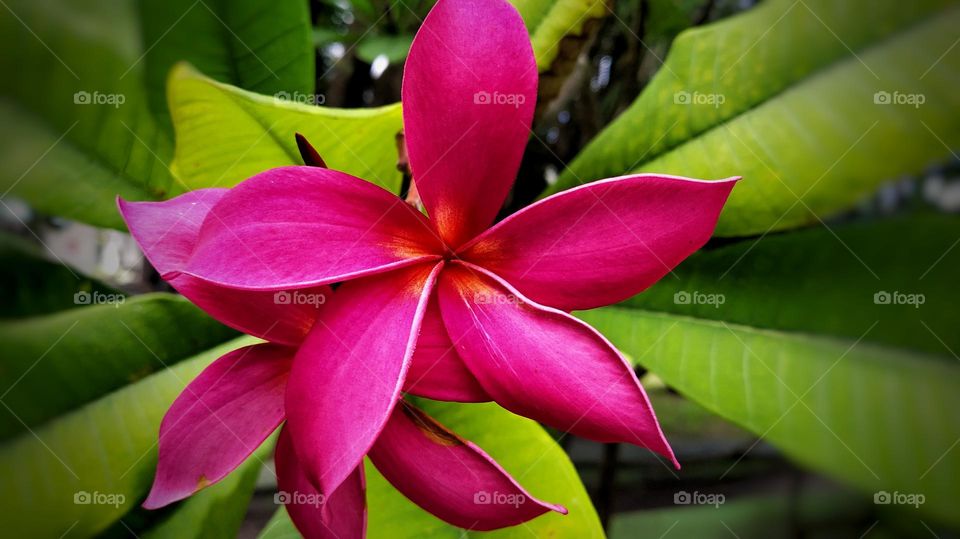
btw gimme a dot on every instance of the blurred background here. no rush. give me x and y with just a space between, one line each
804 364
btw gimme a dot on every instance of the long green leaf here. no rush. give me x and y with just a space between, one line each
31 285
521 446
103 453
225 135
84 119
877 419
71 68
264 48
755 517
795 121
898 273
549 22
72 357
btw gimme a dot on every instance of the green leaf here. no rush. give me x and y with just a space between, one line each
550 22
104 451
797 122
70 68
797 281
75 356
878 419
262 48
771 515
225 134
667 18
32 285
520 445
84 118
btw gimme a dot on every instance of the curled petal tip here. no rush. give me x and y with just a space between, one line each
155 500
558 508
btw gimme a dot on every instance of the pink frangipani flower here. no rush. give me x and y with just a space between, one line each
445 307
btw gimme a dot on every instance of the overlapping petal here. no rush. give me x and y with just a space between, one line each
543 363
348 374
469 90
341 515
450 477
299 227
603 242
436 370
167 234
221 417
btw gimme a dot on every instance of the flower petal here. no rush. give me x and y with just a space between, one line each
543 363
436 370
450 477
299 227
468 95
167 231
342 515
221 417
603 242
167 234
348 373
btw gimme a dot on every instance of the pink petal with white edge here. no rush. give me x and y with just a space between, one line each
167 234
341 515
436 370
300 227
221 417
603 242
348 374
450 477
544 364
469 91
